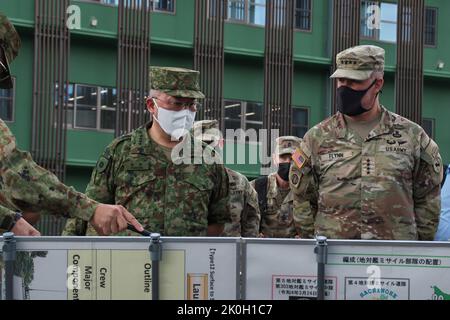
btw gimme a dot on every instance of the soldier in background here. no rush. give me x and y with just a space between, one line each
275 199
25 186
142 171
243 197
372 173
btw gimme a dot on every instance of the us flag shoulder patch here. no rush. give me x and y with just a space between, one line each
299 158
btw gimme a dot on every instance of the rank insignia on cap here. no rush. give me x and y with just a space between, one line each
299 158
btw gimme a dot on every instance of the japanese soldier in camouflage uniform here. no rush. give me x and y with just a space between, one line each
25 186
373 173
275 198
243 197
141 170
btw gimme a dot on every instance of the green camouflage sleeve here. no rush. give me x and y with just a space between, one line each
6 219
251 217
427 189
29 187
219 208
75 227
304 188
101 187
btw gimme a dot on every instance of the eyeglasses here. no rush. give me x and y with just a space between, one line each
181 105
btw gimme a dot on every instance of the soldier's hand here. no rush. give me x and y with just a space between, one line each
261 235
31 217
110 219
23 228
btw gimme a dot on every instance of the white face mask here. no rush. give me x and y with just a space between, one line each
175 123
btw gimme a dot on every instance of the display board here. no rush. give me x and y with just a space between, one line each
281 270
105 268
387 270
120 268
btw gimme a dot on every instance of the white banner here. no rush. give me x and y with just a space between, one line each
93 269
390 271
282 270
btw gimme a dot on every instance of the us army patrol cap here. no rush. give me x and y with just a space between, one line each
358 63
176 82
287 145
207 130
10 45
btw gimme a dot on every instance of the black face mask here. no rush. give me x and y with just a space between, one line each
283 170
349 100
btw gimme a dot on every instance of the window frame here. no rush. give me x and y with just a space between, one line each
436 10
72 125
242 120
308 117
377 32
433 126
13 101
246 20
311 10
152 2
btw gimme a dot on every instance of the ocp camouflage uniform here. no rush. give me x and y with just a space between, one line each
278 220
384 187
243 206
172 199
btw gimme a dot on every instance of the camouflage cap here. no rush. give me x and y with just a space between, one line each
176 82
359 62
207 130
10 43
287 145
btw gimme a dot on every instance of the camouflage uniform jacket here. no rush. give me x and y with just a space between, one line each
278 220
26 186
386 186
172 199
243 206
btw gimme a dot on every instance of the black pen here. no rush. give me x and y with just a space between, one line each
145 233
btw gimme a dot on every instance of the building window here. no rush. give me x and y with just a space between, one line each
303 15
430 26
428 126
156 5
387 29
163 5
91 107
257 12
243 115
300 121
247 11
7 102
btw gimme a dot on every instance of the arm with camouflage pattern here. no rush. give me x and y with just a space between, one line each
6 219
304 187
75 227
100 188
251 217
219 208
29 187
427 188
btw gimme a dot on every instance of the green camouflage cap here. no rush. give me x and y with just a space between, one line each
287 145
176 82
10 42
358 63
207 130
